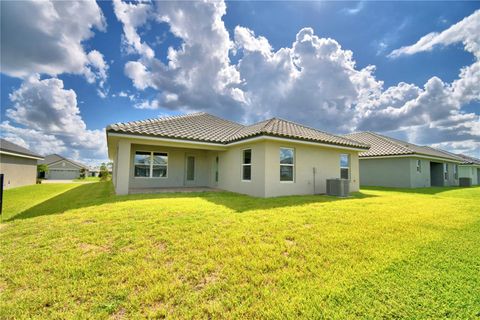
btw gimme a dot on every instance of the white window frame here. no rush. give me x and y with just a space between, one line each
246 164
349 166
419 166
445 171
151 165
286 165
455 171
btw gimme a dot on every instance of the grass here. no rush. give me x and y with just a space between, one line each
87 179
78 251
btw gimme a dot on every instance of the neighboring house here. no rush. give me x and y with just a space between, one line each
270 158
61 168
94 171
394 163
469 168
17 164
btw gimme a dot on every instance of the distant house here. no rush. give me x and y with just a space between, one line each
271 158
61 168
470 168
17 164
395 163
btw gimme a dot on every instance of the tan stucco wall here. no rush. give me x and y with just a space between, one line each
230 173
265 180
325 160
18 171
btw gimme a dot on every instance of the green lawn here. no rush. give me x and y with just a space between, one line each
78 251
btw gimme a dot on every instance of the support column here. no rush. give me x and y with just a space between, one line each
123 167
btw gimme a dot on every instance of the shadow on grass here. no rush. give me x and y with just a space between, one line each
98 193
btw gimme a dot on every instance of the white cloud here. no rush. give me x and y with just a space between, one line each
34 140
44 110
198 74
313 81
466 31
46 37
147 104
354 10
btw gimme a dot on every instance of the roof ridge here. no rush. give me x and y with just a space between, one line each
392 140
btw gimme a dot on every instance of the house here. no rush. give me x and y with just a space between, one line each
17 164
61 168
395 163
270 158
469 168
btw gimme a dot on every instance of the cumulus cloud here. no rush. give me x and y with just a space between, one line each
313 81
46 37
44 111
34 140
198 74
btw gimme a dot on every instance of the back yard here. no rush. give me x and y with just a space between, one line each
78 251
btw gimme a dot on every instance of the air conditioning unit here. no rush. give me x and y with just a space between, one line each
338 187
465 182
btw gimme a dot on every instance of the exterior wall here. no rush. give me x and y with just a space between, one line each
325 160
419 179
387 172
402 173
265 181
62 170
471 172
176 170
451 181
18 171
230 170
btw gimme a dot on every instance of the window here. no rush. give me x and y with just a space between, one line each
419 165
216 169
445 171
190 168
345 166
247 165
455 171
287 164
151 164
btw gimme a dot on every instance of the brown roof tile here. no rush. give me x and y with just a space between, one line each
208 128
381 145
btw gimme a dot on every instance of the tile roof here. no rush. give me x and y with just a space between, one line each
8 146
464 158
208 128
52 158
196 126
381 145
469 160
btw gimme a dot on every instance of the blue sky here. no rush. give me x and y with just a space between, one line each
370 30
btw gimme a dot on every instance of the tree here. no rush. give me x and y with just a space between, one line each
104 174
83 173
42 170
